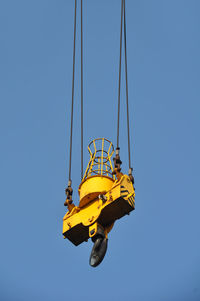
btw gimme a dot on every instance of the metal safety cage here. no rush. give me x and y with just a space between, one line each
101 151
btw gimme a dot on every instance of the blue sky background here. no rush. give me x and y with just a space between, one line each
154 254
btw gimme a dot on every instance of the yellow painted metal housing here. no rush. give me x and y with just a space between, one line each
104 198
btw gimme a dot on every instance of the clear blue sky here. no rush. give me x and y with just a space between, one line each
154 254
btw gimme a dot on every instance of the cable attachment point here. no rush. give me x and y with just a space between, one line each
117 163
69 192
130 175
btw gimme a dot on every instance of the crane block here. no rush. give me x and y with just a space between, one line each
104 197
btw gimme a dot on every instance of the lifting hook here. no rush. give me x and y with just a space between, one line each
99 248
98 251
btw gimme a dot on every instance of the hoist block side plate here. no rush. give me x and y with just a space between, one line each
115 210
77 234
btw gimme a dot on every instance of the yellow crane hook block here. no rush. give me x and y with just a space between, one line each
105 196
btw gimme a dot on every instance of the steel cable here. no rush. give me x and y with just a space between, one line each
123 15
81 89
119 85
126 74
72 104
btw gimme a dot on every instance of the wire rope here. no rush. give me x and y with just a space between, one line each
119 82
123 18
126 74
72 103
81 89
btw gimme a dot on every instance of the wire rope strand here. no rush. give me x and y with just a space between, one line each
126 74
81 89
72 104
119 85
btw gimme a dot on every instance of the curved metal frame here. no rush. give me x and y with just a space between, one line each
100 159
